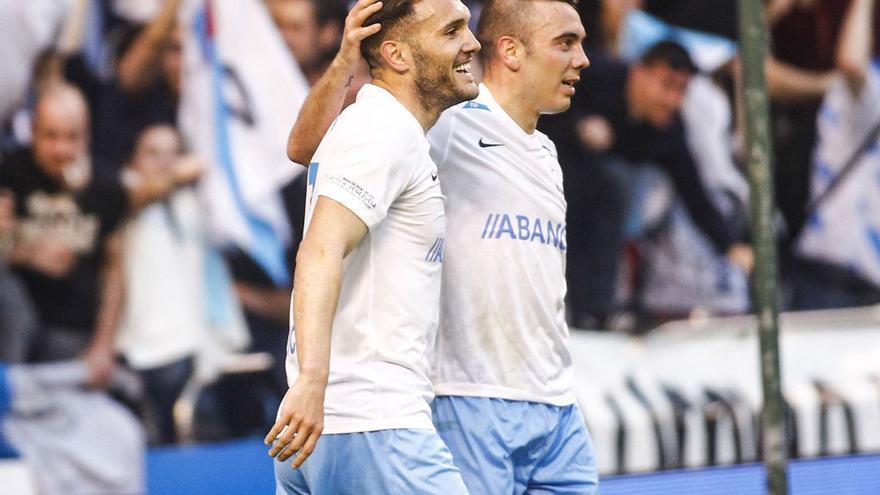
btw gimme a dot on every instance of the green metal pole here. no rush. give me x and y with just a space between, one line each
753 39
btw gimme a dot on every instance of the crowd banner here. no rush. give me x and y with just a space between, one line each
242 90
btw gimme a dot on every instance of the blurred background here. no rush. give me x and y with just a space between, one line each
149 221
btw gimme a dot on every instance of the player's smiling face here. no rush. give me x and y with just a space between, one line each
555 55
442 51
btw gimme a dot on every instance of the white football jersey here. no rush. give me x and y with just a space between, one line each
502 326
375 162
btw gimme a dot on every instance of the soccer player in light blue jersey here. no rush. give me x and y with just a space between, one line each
501 368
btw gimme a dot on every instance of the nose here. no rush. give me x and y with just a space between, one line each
471 45
580 61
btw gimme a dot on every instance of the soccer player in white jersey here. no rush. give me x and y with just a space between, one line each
502 369
367 283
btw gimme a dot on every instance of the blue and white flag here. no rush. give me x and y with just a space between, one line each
242 90
641 31
845 228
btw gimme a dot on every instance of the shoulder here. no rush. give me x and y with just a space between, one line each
381 127
106 193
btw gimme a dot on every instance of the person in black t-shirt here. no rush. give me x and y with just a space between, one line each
66 249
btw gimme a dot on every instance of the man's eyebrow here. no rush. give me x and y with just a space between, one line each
457 23
569 35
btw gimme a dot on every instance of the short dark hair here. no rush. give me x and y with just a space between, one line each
393 16
670 54
506 18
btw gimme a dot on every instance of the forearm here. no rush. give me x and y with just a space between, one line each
112 296
318 112
693 192
71 36
138 66
787 83
145 188
856 42
317 283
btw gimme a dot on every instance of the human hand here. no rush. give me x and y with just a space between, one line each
354 32
51 257
101 362
188 169
595 133
300 421
742 256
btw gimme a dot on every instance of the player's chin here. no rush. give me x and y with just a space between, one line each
559 104
468 90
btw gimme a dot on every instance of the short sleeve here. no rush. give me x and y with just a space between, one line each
366 173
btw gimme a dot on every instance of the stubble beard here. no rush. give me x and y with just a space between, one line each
435 83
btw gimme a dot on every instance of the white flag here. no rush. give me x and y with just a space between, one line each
242 90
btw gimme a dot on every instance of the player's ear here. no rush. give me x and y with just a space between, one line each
510 51
396 54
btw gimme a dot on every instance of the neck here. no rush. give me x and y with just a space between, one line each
407 96
509 94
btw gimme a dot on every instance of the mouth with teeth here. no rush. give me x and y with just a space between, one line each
464 69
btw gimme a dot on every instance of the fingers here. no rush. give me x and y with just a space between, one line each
360 34
362 11
283 441
286 437
306 450
305 432
276 430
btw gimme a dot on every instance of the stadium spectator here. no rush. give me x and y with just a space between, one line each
66 249
311 30
66 246
622 119
841 239
165 319
144 89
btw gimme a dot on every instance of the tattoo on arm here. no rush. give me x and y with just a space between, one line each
350 79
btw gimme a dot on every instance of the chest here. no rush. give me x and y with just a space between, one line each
67 219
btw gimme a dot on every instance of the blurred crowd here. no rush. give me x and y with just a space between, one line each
107 259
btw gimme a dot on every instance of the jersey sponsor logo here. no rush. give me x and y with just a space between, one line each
484 144
354 189
435 254
524 228
476 105
434 174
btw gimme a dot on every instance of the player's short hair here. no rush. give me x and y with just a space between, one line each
506 18
670 54
394 16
